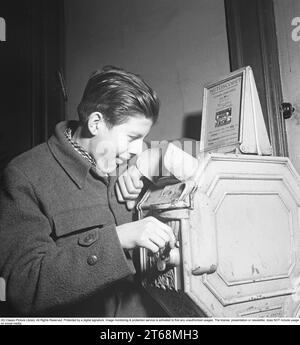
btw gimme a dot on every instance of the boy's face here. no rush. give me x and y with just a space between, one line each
115 145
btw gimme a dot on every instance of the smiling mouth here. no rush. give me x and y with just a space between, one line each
119 160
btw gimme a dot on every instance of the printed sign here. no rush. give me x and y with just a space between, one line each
222 112
232 118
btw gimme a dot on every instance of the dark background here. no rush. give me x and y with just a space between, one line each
31 100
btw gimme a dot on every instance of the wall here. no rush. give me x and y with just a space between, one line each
175 45
288 33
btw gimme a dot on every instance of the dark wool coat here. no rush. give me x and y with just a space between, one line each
59 251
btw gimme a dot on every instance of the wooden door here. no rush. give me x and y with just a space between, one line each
252 41
287 14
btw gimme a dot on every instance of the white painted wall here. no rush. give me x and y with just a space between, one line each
175 45
288 34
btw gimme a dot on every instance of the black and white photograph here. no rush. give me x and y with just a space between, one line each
150 163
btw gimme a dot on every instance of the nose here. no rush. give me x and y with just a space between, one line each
136 147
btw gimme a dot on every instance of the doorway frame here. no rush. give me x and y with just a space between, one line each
252 41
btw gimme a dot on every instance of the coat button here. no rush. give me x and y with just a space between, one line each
88 239
92 260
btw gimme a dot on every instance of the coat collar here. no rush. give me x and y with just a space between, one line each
71 161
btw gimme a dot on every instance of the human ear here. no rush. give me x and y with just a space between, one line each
94 121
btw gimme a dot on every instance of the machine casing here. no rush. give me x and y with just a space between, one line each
237 227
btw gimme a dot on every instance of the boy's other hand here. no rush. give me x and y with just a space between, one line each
129 186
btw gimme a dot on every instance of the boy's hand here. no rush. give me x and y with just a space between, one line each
148 233
129 186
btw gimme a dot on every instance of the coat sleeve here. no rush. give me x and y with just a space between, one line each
40 274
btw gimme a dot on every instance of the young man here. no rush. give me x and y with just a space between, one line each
65 239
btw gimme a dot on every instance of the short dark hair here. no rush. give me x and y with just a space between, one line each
118 94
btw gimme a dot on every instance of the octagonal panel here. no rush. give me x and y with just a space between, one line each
255 206
254 238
